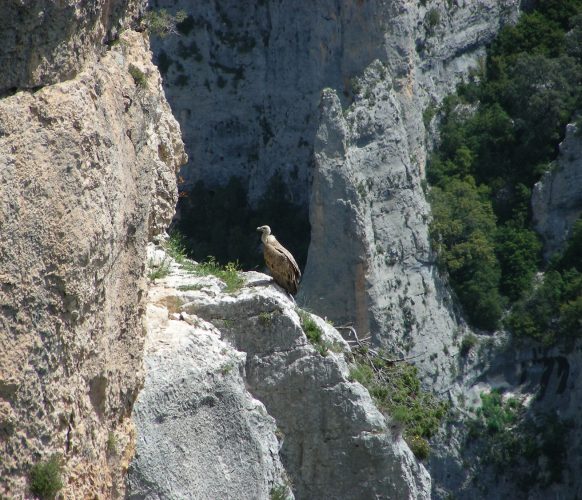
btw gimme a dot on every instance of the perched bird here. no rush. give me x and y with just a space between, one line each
280 262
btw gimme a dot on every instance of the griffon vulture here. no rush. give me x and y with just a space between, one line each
280 262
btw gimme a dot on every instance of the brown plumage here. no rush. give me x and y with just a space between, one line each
280 262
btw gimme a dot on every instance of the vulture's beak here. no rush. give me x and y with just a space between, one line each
259 229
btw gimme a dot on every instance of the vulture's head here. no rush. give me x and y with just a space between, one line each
266 230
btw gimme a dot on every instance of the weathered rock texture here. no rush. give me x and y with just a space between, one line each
246 83
333 441
45 41
557 197
549 382
200 434
87 177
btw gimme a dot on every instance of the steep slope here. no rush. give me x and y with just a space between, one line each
333 442
87 177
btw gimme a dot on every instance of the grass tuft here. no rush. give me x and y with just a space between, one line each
45 478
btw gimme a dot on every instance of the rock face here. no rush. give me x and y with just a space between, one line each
333 441
556 198
87 177
44 42
199 432
548 382
246 84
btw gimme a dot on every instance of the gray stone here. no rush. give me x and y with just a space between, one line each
557 198
200 434
334 443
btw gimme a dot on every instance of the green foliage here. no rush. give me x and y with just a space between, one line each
529 446
313 333
518 252
462 230
139 77
497 135
45 478
229 273
433 19
161 23
279 492
396 390
419 446
266 318
111 443
159 270
469 341
219 221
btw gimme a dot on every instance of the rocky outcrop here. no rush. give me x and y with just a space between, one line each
200 434
246 84
44 42
209 345
87 177
557 199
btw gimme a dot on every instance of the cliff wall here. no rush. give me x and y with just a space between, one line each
246 84
87 177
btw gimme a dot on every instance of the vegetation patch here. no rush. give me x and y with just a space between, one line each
552 308
396 390
45 478
313 333
514 440
161 23
498 134
229 274
280 492
139 77
469 341
159 270
111 443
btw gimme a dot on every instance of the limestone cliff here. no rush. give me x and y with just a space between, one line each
246 84
44 42
557 198
197 424
87 177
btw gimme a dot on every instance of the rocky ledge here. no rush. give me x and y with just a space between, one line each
235 389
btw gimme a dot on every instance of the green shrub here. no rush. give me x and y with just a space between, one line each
313 333
159 270
161 23
111 443
419 446
45 478
433 19
518 442
139 77
229 274
469 341
279 492
265 318
396 390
